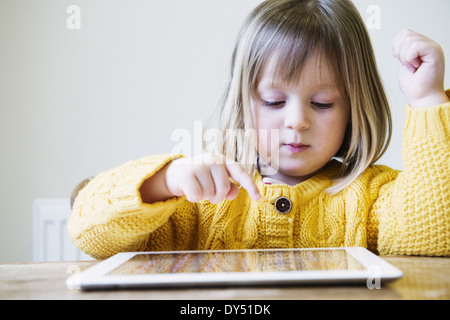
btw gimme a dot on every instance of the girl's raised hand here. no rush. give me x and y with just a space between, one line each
207 177
422 69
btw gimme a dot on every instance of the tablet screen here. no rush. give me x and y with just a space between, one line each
239 261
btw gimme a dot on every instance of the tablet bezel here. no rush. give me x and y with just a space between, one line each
98 277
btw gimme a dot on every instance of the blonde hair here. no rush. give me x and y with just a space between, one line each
292 31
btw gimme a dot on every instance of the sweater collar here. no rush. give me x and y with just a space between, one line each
305 190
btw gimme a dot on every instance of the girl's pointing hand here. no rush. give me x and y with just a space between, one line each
208 177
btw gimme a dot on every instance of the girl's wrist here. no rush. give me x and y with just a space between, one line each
431 100
155 188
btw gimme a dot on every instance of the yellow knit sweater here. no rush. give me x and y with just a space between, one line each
387 211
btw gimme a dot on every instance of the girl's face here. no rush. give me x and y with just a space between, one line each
300 126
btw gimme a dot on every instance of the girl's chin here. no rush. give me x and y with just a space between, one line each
299 172
290 169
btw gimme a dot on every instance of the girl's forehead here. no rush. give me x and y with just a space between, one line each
316 71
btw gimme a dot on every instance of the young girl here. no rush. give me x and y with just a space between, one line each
304 78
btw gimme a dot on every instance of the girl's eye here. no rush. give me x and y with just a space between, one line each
322 106
273 104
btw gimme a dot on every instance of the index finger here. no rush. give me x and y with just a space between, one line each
241 177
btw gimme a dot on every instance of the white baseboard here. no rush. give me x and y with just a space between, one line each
51 241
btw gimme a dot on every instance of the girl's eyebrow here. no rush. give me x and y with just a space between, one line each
318 88
327 86
328 89
327 94
269 82
269 85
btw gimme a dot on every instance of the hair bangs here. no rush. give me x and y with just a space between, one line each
291 42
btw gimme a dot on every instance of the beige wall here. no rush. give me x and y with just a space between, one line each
77 102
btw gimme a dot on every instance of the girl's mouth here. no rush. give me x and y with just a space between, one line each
296 147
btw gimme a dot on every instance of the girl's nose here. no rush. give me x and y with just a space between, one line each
297 117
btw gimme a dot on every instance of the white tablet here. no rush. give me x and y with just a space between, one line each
236 268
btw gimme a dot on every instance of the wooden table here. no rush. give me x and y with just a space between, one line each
424 278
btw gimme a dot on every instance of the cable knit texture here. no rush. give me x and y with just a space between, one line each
387 211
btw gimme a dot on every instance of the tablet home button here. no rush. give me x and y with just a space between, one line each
283 205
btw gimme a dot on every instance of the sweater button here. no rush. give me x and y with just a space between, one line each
283 205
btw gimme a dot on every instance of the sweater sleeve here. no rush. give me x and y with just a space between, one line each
109 216
412 213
